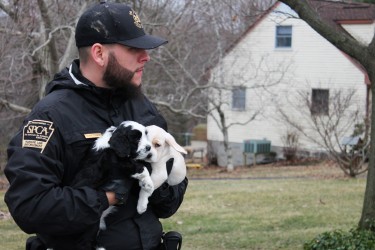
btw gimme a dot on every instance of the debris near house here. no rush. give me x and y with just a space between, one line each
194 165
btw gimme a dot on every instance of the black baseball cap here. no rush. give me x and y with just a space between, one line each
108 23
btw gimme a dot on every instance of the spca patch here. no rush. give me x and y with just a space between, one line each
36 134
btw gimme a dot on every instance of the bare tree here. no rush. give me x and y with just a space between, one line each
200 38
219 103
228 80
37 40
291 144
328 124
199 32
365 55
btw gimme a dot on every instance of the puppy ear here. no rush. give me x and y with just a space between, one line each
172 142
119 142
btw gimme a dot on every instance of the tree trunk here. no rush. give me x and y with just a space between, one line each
365 55
227 148
368 211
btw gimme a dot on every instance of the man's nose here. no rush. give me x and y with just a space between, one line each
145 57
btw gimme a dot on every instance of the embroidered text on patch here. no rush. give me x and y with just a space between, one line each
36 134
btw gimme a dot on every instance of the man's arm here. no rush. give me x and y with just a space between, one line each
166 200
37 199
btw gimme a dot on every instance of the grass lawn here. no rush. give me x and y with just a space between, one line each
253 209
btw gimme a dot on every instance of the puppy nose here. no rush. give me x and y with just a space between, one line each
148 147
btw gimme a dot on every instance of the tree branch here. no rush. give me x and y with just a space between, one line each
341 40
6 8
14 107
50 36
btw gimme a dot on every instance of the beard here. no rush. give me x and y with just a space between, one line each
119 79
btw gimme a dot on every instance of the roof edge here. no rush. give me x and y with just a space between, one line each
251 27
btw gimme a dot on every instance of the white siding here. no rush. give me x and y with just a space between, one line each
312 62
362 32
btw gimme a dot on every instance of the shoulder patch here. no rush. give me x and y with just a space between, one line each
36 134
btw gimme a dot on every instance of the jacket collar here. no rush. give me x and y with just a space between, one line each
76 75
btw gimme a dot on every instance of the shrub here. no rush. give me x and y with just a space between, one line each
355 239
291 145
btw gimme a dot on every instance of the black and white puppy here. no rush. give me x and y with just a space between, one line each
125 144
117 151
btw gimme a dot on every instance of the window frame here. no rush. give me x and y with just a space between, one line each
319 102
287 37
239 98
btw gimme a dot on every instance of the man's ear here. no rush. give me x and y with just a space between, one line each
98 53
119 142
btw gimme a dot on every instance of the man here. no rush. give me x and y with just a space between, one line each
101 89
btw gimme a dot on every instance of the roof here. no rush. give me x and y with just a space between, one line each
344 12
251 27
351 141
339 12
335 12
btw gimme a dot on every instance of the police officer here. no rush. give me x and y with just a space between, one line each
101 89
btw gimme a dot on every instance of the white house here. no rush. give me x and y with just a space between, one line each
280 65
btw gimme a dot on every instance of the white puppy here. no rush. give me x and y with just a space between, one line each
163 148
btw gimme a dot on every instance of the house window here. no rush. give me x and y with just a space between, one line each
283 36
320 102
239 98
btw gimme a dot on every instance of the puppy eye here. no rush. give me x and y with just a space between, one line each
157 145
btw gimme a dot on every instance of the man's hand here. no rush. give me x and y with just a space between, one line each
111 198
117 190
118 187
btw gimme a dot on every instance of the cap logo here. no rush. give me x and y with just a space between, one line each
137 21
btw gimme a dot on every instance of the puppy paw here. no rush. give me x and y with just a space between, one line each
147 184
102 226
141 207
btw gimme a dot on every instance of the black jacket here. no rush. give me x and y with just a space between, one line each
47 152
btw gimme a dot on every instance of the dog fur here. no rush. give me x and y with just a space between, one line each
143 152
118 151
126 143
116 139
133 143
164 147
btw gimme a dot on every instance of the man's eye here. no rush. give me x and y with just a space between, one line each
135 50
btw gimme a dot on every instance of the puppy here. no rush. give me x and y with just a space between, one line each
117 151
163 148
126 144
